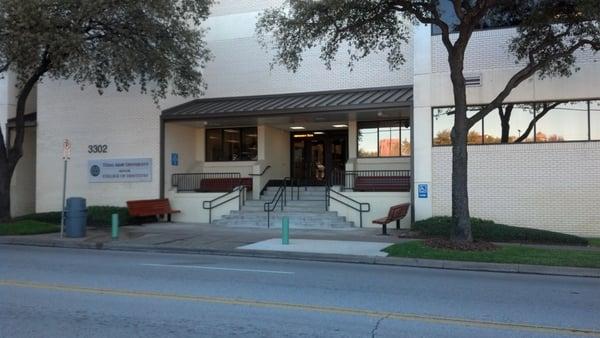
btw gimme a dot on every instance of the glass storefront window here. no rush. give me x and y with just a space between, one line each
405 145
443 120
520 117
367 140
561 121
231 144
384 139
213 144
566 122
389 139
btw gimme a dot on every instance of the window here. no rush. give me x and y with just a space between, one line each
443 121
525 122
565 122
231 144
519 117
384 139
495 19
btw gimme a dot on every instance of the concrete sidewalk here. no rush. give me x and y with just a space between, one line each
228 241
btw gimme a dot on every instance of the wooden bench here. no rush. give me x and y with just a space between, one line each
155 207
382 183
396 213
223 184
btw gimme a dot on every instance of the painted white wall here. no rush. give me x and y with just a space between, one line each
421 121
128 123
22 186
179 139
380 205
553 186
190 204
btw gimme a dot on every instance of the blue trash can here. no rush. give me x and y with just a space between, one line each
75 217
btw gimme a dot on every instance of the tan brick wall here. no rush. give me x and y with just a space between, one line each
547 186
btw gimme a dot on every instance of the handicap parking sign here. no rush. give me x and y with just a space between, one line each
422 188
174 159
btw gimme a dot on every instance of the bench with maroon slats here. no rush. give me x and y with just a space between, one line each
223 184
382 183
154 207
396 213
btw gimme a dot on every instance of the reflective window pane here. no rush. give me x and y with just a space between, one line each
562 122
405 148
213 145
389 139
518 116
595 120
231 144
475 135
442 126
367 140
249 144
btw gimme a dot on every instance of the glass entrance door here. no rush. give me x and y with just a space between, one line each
315 155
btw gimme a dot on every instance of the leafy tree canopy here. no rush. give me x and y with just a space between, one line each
156 44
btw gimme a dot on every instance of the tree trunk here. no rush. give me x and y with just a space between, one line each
5 178
505 114
460 196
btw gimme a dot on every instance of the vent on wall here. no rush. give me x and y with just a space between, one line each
473 80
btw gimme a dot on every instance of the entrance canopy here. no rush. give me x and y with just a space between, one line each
368 99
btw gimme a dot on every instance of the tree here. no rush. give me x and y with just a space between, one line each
547 35
156 45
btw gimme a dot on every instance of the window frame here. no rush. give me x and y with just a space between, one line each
534 104
378 123
243 144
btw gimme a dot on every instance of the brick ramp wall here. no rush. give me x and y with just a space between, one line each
547 186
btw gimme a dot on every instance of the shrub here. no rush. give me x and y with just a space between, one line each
486 230
96 216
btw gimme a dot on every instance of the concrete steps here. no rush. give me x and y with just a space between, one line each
308 212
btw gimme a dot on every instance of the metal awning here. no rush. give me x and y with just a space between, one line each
311 102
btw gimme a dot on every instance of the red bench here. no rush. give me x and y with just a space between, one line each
396 213
154 207
382 183
223 184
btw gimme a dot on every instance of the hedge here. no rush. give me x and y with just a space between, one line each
97 216
486 230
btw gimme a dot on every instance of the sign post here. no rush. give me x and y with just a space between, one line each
66 157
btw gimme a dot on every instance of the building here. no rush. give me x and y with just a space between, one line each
316 126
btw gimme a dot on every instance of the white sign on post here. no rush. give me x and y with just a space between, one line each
120 170
66 149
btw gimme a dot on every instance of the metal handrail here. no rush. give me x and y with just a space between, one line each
347 178
262 173
241 194
280 196
192 181
360 209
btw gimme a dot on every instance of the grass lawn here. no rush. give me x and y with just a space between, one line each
594 242
505 254
27 227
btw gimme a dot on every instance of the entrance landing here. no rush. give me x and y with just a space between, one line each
321 246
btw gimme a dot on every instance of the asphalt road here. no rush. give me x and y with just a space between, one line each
49 292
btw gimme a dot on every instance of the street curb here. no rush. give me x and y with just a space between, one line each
334 258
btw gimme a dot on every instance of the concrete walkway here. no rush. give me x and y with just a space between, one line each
350 246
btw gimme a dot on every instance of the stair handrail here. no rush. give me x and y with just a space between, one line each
280 196
241 195
262 173
358 206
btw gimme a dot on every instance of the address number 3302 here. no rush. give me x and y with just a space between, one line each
97 148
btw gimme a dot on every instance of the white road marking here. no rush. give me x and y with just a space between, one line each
217 268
